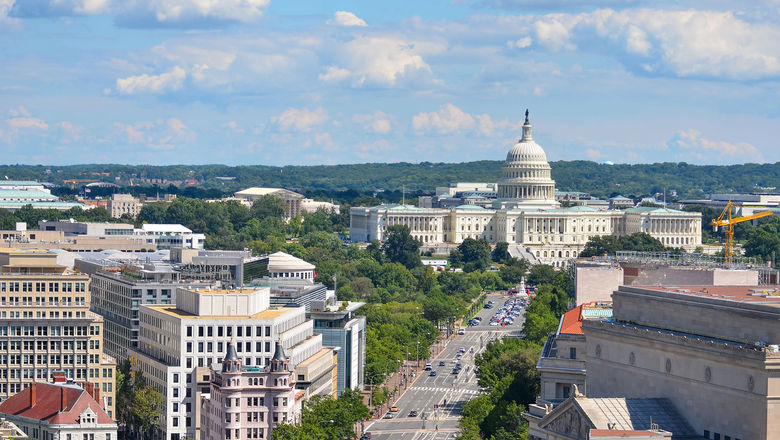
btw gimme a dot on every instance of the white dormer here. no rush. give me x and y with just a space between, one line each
88 417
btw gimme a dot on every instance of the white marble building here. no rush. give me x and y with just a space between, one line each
527 215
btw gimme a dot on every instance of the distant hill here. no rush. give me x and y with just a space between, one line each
690 181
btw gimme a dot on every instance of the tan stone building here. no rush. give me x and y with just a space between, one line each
714 351
46 326
121 204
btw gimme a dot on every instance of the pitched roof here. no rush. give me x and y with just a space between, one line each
56 404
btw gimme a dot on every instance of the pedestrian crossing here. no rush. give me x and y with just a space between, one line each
446 390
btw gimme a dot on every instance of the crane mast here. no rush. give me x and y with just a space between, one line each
725 219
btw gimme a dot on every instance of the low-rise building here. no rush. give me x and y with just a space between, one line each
59 411
248 402
151 236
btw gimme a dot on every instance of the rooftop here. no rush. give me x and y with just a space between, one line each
744 294
162 227
270 313
56 404
571 322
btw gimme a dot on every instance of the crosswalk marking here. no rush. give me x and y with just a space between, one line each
444 390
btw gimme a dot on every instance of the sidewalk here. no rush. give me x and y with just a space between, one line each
397 384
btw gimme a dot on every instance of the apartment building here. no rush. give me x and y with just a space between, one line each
46 326
178 343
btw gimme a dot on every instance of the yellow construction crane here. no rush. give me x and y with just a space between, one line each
725 219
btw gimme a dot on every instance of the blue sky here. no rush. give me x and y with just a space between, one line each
330 82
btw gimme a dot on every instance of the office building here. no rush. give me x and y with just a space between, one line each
119 287
123 204
178 343
46 326
16 194
159 236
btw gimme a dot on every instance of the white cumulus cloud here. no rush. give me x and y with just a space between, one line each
145 83
345 18
448 119
683 43
300 119
192 13
378 122
691 143
378 61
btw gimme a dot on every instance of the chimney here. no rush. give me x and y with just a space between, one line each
63 400
33 394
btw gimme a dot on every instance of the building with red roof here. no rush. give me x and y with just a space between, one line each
562 362
62 411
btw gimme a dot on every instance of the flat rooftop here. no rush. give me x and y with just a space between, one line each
270 313
743 294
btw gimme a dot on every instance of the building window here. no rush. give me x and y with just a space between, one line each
572 353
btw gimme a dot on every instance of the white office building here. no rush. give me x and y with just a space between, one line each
178 343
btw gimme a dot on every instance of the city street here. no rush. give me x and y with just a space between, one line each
446 390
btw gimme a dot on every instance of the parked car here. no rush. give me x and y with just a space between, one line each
365 436
461 331
428 367
432 373
442 363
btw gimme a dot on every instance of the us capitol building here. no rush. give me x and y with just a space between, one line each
526 215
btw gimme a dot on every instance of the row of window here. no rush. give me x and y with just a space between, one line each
45 359
241 331
29 286
208 347
53 330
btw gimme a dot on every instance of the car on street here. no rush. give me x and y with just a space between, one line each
412 413
365 436
455 370
428 367
461 331
432 373
389 415
442 363
394 409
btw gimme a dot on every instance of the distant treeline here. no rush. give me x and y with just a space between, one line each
348 182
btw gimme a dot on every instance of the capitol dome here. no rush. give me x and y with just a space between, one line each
525 176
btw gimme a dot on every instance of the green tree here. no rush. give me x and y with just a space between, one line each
147 405
475 254
268 206
401 247
500 253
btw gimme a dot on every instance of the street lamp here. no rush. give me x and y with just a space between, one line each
418 354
